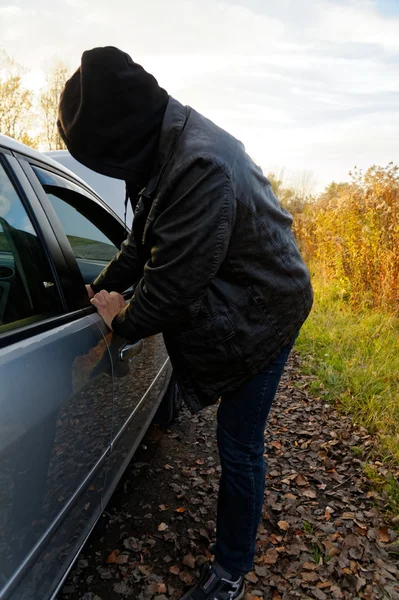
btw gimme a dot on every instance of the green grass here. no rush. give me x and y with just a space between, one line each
307 527
355 357
319 556
386 485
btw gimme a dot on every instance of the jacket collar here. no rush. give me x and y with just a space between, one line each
172 126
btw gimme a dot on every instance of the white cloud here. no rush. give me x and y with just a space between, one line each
358 22
10 11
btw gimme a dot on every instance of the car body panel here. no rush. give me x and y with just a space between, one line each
72 411
56 415
135 399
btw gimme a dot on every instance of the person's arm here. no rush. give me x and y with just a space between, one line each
190 240
123 270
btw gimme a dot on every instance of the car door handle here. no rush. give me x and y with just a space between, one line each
130 351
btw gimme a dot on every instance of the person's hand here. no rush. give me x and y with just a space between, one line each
108 305
90 291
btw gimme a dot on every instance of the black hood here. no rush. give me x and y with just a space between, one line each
110 115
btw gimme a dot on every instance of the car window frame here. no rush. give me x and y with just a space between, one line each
112 227
48 242
67 276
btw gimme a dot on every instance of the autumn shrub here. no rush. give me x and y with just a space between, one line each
351 236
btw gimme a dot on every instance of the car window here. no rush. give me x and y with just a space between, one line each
91 246
27 288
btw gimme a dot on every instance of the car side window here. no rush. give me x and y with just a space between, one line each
27 288
92 248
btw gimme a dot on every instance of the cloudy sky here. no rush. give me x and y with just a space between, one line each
305 84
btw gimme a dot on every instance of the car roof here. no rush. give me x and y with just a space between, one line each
14 146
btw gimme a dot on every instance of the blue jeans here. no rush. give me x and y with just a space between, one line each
242 417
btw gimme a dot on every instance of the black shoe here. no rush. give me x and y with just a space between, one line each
213 587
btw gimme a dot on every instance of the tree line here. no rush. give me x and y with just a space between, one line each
25 117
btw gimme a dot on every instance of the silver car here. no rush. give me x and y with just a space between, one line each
75 399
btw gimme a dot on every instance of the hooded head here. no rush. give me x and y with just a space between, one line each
110 115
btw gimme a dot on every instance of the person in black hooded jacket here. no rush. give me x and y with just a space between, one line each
215 266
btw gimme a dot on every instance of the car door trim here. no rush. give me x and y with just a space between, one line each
126 424
27 331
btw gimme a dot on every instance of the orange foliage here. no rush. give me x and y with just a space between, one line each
351 234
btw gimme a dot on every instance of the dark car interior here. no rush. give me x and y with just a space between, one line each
26 283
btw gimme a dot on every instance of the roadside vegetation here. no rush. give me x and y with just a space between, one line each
350 238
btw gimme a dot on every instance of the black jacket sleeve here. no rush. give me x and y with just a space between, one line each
122 271
189 241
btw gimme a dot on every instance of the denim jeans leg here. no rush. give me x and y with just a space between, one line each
242 417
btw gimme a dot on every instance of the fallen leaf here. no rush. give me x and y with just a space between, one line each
163 507
156 588
301 480
271 556
189 561
186 578
276 445
324 584
251 577
131 543
204 533
283 525
122 588
317 593
383 535
290 496
175 570
275 539
122 559
113 557
163 527
181 509
187 472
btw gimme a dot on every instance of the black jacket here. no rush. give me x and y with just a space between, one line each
218 268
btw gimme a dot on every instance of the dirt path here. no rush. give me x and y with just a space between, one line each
321 535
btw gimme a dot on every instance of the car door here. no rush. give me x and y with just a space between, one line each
91 232
55 400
